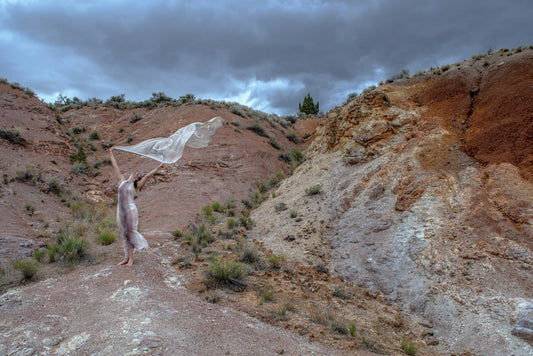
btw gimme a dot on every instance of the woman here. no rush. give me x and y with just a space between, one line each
127 214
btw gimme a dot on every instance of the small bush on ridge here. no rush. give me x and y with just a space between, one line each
221 272
27 267
314 190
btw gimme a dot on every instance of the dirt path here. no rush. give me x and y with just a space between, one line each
104 309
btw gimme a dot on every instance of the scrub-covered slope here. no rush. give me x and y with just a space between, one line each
426 196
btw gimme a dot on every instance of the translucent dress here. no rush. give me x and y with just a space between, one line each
128 218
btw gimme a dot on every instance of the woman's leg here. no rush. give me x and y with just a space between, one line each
128 252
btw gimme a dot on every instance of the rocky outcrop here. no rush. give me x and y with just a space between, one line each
417 207
524 324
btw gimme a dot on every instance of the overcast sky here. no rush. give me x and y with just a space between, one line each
265 54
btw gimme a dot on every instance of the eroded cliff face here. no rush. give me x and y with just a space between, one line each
427 197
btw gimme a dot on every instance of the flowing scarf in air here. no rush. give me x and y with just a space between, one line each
170 149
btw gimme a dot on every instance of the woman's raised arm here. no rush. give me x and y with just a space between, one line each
115 165
147 176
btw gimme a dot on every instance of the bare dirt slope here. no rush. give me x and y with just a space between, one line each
41 155
104 309
426 197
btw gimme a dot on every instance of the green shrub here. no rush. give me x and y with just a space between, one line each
52 251
106 237
79 156
247 222
68 250
267 293
275 261
247 203
76 130
104 161
249 254
188 98
73 249
264 187
77 209
30 209
13 137
257 197
352 330
217 207
221 272
177 234
232 223
294 157
94 135
39 255
27 267
31 176
274 143
350 97
341 293
208 210
314 190
109 223
230 204
293 214
282 311
337 327
236 123
237 111
403 74
212 219
293 138
54 187
80 168
135 118
198 237
319 317
16 85
256 127
281 206
409 347
289 307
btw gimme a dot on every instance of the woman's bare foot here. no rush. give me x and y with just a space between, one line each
124 261
130 262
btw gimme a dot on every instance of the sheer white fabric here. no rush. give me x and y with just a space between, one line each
170 149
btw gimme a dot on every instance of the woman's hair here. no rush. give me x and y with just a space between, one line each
135 182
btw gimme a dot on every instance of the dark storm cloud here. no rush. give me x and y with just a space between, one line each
268 54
